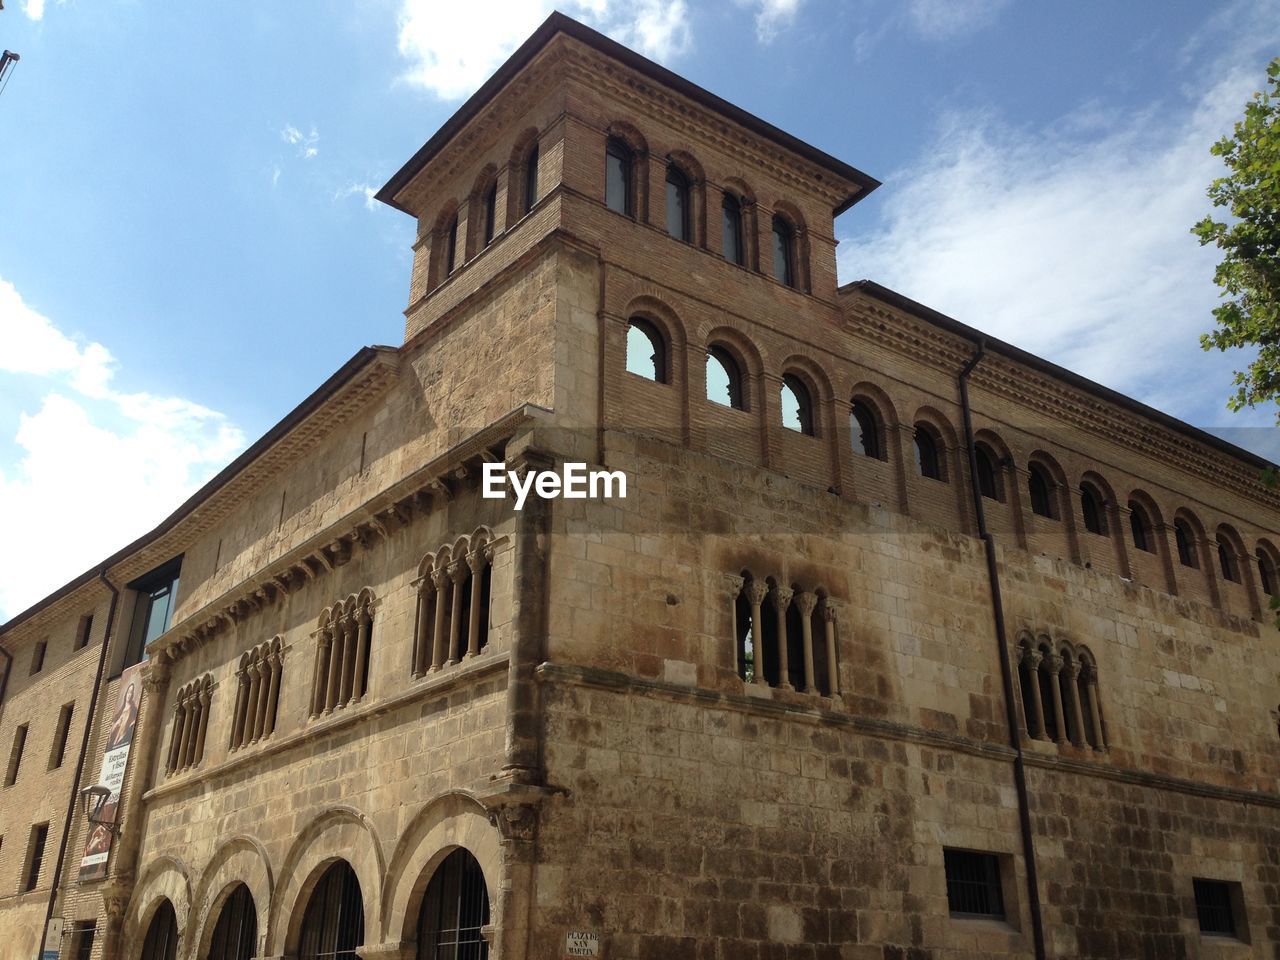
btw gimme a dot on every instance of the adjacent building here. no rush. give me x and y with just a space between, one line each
903 643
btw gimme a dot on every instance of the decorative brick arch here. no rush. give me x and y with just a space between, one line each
165 878
241 860
340 833
446 823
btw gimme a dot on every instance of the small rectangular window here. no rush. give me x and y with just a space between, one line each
152 610
82 940
37 657
35 856
83 631
973 884
1216 905
617 178
15 755
60 735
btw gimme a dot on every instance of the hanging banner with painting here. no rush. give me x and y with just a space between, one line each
115 761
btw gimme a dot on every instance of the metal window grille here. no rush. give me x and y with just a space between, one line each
236 935
455 910
973 884
1213 907
333 926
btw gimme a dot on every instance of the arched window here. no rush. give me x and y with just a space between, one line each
451 245
1091 509
1267 573
236 935
1227 560
784 251
731 225
1140 527
797 405
617 176
646 350
745 627
490 205
1185 540
455 591
333 926
257 695
988 476
344 640
1090 707
1028 680
724 379
865 431
1048 693
1039 486
531 178
678 204
455 911
928 456
162 936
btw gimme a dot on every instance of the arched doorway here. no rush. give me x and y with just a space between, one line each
162 936
455 909
333 926
236 935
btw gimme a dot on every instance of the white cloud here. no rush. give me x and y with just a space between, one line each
357 190
1072 242
108 463
943 19
305 142
452 48
772 16
33 9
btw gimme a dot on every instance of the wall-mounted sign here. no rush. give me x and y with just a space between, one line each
115 761
579 943
52 940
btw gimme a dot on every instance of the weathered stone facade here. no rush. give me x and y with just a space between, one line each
740 713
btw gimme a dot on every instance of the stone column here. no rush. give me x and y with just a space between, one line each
441 580
335 668
475 562
1055 667
203 723
422 634
273 695
175 740
188 732
733 587
833 666
251 728
237 718
1095 712
1032 659
756 594
320 682
349 632
782 600
1077 715
364 622
806 602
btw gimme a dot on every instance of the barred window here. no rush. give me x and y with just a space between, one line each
236 935
1215 906
162 935
973 884
333 926
257 694
190 723
455 911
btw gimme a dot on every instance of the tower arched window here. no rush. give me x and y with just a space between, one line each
1227 561
797 405
1140 527
618 176
1048 692
987 475
333 925
678 205
451 245
235 937
161 942
1185 541
1267 573
1092 511
455 911
1040 487
784 251
731 226
928 456
531 178
865 431
724 379
646 350
489 205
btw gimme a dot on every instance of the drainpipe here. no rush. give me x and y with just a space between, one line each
4 681
74 800
1006 668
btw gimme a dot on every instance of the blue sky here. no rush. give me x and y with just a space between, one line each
190 247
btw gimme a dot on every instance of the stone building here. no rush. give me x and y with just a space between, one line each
903 643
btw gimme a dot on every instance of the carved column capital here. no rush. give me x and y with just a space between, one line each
733 585
806 601
439 577
781 597
476 561
1032 659
1055 663
757 592
458 571
829 610
516 822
